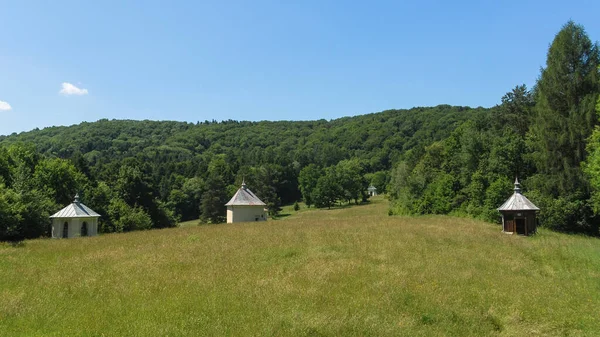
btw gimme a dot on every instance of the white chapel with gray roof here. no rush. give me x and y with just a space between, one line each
245 206
75 220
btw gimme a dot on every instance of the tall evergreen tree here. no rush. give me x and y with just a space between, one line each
267 179
214 199
565 112
215 195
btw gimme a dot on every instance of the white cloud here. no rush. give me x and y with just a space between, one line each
69 89
4 106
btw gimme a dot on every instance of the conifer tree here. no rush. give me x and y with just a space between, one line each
515 110
565 112
213 208
213 200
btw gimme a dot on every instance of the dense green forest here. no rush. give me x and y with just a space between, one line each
540 135
441 160
147 174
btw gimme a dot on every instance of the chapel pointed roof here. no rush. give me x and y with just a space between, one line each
245 197
517 201
76 210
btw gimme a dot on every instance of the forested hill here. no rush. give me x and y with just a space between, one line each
378 138
142 174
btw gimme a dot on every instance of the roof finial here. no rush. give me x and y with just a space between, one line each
243 183
517 186
76 198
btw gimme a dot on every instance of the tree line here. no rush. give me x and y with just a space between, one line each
147 174
547 136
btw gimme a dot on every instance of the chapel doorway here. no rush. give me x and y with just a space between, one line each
520 224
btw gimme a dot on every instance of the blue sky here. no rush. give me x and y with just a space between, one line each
266 60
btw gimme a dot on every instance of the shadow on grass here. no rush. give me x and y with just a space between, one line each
280 216
16 244
350 205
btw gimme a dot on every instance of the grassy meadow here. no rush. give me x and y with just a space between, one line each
341 272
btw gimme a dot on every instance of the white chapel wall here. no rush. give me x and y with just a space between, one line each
246 213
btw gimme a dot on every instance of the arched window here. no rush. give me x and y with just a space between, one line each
84 229
65 230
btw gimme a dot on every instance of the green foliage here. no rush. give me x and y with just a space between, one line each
127 218
516 110
180 202
342 182
328 190
379 179
99 198
133 187
308 178
565 112
267 181
161 215
26 201
565 117
214 199
496 194
193 189
469 172
403 189
350 178
591 167
10 215
437 196
164 168
59 178
23 215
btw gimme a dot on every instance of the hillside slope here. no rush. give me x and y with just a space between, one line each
351 272
378 137
161 172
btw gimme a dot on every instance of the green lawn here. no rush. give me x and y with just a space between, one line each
341 272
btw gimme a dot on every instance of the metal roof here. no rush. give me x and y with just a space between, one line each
517 201
76 210
245 197
372 188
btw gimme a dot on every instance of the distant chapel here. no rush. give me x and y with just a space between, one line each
74 220
519 215
245 206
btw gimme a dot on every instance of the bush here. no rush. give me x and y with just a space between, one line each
565 215
125 218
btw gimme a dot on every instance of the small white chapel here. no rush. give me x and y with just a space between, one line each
245 206
74 220
372 190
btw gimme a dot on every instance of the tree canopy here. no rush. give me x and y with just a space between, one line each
146 174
